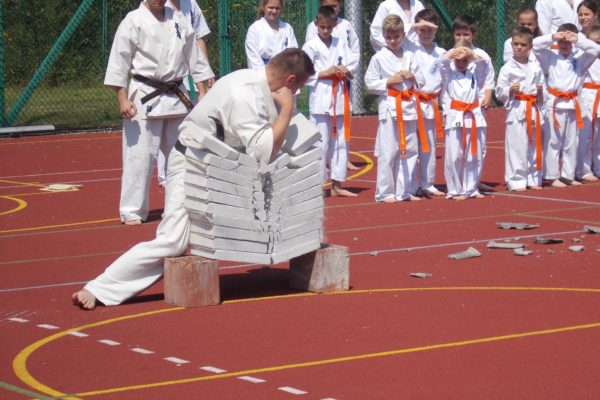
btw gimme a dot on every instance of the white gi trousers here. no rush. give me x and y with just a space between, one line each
396 176
588 148
520 157
335 150
143 264
142 139
427 161
561 142
462 173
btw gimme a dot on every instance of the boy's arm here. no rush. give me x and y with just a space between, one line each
377 40
590 52
542 51
373 80
503 92
312 80
127 108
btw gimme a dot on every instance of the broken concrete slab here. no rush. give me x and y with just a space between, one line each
542 240
300 136
591 229
421 275
311 155
496 245
471 252
576 249
516 225
522 252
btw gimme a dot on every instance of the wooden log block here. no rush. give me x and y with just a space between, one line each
191 281
324 270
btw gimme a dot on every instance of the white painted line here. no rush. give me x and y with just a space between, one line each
328 398
251 379
176 360
78 334
141 351
109 342
21 320
213 369
547 199
47 326
292 390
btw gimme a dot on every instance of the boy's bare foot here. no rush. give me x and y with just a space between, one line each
570 182
341 192
590 178
535 187
390 200
133 222
478 196
458 198
413 198
84 299
557 183
352 167
435 193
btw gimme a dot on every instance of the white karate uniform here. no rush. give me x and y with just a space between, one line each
588 151
262 42
520 150
166 51
564 74
386 8
463 171
396 176
553 13
243 103
342 30
431 83
320 104
193 13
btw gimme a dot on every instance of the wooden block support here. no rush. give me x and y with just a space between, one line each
191 281
324 270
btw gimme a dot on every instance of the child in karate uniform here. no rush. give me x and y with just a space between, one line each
520 88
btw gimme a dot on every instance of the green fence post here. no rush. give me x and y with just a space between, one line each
42 70
224 40
500 32
104 41
2 86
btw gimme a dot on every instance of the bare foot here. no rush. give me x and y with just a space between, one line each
478 196
574 183
133 222
535 187
84 299
436 193
352 167
390 200
590 178
341 192
458 198
413 198
557 183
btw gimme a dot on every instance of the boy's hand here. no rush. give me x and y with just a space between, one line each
395 79
342 71
424 24
284 98
127 108
514 88
407 75
328 73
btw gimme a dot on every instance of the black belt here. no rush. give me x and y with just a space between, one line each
180 147
163 87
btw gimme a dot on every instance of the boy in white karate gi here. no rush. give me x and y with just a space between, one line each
463 77
268 35
564 70
255 108
329 102
405 9
520 88
426 55
157 47
588 149
392 76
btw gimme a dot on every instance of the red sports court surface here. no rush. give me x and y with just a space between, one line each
495 327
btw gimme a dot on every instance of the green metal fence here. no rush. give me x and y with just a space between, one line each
53 52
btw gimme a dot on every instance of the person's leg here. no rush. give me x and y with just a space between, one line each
406 181
322 125
552 146
453 163
161 168
427 161
569 148
338 162
473 164
515 156
387 141
584 149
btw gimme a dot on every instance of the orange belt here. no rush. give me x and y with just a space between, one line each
467 108
400 95
344 82
594 86
431 99
566 96
531 100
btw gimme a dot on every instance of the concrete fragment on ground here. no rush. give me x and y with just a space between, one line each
496 245
576 249
516 225
541 240
522 252
421 275
591 229
469 253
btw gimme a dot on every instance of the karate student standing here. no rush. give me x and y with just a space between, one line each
268 35
564 70
392 76
520 88
158 48
465 126
329 102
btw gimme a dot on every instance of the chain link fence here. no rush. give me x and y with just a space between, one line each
53 53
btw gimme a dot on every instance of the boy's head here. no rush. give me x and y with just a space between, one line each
565 47
393 31
464 27
335 4
462 63
594 34
426 34
522 42
326 20
291 68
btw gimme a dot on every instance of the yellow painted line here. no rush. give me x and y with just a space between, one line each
37 228
34 184
21 371
21 204
360 172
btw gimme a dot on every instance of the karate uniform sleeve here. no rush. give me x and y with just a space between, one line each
490 75
199 67
542 51
375 83
590 51
312 80
121 53
377 40
503 87
200 26
293 40
252 48
482 74
544 11
311 31
508 52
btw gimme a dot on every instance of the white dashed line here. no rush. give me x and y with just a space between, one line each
141 351
78 334
328 398
21 320
109 342
47 326
292 390
213 369
176 360
251 379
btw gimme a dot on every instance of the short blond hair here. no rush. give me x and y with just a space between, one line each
463 43
392 24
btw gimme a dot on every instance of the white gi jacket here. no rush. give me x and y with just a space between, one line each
164 51
528 76
246 116
553 13
465 87
194 15
323 57
386 8
429 73
384 64
589 95
565 73
262 42
342 30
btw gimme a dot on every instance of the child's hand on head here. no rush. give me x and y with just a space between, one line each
424 24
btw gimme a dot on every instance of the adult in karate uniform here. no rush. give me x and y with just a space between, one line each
405 9
254 108
554 13
154 45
